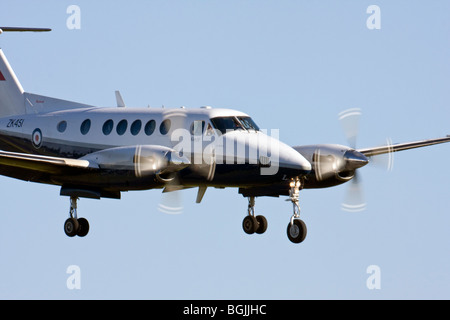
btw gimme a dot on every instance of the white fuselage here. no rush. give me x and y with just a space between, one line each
209 138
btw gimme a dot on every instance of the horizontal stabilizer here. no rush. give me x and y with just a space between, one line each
23 29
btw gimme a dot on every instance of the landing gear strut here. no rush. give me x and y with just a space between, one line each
296 229
75 226
252 224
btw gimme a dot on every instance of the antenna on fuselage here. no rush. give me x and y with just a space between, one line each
120 103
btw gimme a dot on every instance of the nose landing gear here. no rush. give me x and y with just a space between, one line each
296 229
75 226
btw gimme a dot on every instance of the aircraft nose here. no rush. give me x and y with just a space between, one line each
292 160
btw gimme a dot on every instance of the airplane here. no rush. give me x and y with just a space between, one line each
100 152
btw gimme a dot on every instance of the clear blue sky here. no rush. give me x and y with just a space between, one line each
291 65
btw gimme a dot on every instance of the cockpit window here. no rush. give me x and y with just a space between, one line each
224 124
248 123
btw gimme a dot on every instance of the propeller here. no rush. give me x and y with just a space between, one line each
350 123
191 141
171 199
385 161
354 199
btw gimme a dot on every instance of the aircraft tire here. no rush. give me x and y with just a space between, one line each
262 224
71 227
297 231
250 224
83 227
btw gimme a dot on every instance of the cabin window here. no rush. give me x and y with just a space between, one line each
107 127
150 127
122 127
85 126
136 127
164 127
62 126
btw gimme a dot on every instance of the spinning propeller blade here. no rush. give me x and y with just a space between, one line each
350 123
192 135
354 199
385 160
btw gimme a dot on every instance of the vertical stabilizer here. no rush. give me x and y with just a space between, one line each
12 100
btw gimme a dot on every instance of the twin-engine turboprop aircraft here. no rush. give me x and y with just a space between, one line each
98 152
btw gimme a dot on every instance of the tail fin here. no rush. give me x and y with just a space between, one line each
12 99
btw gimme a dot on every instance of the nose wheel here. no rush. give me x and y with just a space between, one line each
296 229
75 226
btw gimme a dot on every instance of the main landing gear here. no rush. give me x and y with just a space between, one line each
296 229
75 226
252 224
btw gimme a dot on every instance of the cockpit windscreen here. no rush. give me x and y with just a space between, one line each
224 124
248 123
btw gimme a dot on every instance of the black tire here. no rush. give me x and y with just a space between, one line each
262 224
71 227
297 231
83 227
249 224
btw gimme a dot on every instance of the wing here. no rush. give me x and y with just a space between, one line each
368 152
38 168
104 173
38 162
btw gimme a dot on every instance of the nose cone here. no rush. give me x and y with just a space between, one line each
355 160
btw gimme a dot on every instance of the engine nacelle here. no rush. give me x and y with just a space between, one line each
139 161
332 164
